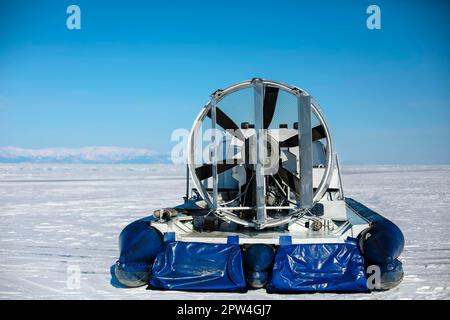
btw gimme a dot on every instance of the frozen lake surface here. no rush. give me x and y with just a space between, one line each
57 218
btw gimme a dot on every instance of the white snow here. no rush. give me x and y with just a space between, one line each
60 218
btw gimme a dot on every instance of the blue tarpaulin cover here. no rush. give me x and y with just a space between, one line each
318 267
199 267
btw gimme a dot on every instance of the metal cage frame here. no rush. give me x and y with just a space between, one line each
308 197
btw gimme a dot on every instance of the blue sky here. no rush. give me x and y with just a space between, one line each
139 69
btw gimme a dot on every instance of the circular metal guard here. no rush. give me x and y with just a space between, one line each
212 111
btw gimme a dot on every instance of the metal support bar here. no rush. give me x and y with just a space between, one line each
213 152
251 208
258 89
305 152
187 182
341 188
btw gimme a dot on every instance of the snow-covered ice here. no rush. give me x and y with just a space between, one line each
58 217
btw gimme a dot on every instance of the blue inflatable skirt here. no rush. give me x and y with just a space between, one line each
318 267
193 266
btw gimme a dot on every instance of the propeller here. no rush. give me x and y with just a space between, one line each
205 171
270 101
317 134
225 122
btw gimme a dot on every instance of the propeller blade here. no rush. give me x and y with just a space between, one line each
270 101
289 178
317 134
289 143
205 171
225 122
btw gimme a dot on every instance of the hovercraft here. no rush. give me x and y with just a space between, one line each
264 207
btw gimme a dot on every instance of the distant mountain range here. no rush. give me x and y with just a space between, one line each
81 155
